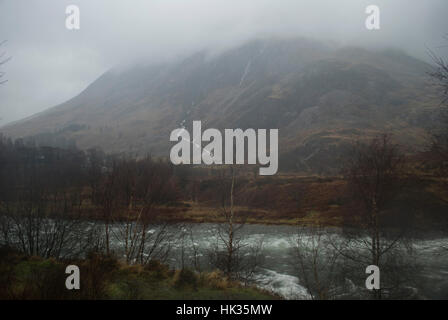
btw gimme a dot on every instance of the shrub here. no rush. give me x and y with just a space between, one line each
158 269
185 278
96 272
216 280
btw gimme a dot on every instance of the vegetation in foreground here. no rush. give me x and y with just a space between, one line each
31 277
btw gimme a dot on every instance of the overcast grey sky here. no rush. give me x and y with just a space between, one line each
51 64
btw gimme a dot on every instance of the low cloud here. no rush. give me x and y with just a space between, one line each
52 64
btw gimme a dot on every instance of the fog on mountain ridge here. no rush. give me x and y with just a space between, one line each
52 64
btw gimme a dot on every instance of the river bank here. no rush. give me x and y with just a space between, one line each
291 200
102 277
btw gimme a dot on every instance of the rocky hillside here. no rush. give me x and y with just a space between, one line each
321 99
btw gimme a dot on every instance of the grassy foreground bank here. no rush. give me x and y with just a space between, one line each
24 277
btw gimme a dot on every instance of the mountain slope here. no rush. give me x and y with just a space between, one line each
321 98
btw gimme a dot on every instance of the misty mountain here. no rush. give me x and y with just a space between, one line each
321 98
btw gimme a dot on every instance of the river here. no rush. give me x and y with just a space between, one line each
278 272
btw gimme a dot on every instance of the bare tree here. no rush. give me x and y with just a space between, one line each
43 223
374 174
231 254
317 262
40 201
157 187
109 203
440 74
145 185
439 143
3 60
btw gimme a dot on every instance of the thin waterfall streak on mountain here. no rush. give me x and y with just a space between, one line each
246 71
